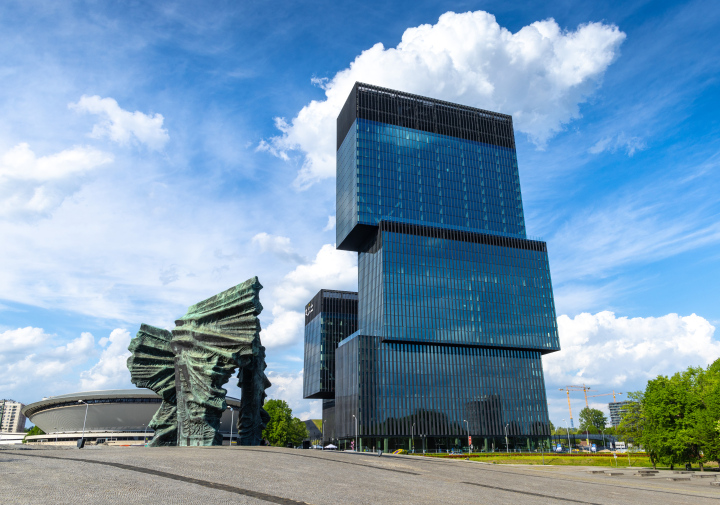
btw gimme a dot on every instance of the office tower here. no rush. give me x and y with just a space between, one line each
330 317
455 304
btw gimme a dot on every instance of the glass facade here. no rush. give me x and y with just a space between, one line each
391 386
329 317
455 303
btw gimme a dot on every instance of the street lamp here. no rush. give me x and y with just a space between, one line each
82 438
322 442
603 434
468 430
567 428
232 419
507 449
413 438
356 433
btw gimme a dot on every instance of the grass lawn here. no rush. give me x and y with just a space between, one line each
636 460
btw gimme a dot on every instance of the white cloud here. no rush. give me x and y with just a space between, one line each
111 370
330 224
289 387
606 352
278 246
331 269
47 364
32 186
620 141
285 328
122 126
22 338
539 75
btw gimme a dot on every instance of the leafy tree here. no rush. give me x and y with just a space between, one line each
32 431
552 427
675 418
283 429
592 418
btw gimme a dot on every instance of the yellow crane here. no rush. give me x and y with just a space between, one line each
604 394
567 389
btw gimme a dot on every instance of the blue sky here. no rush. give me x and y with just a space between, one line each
153 154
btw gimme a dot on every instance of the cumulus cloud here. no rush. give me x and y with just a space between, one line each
278 246
618 142
289 387
330 224
111 369
123 126
32 186
539 75
331 269
606 351
30 356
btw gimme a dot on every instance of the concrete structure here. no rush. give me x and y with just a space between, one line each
118 415
12 420
11 438
616 412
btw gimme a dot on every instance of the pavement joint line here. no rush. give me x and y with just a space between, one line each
531 494
190 480
340 461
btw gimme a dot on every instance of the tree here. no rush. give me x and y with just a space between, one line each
592 418
283 429
32 431
552 427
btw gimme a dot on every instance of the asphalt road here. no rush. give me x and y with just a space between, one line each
262 475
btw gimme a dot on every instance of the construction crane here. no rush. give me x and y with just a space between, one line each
605 394
567 389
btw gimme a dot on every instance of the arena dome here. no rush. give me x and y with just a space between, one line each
115 415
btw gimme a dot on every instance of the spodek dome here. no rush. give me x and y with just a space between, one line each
113 416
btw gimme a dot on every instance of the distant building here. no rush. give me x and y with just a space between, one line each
616 409
12 420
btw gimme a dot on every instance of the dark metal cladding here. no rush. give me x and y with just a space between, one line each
426 114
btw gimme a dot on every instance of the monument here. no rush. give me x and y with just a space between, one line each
189 366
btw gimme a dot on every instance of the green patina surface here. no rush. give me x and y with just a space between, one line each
189 366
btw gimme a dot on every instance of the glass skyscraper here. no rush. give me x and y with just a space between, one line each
455 303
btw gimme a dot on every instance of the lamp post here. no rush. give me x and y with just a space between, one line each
507 449
356 433
413 438
232 419
467 425
568 434
322 442
145 435
82 438
603 434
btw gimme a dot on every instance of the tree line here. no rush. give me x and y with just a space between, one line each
677 419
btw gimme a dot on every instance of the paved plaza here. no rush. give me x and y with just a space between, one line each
261 475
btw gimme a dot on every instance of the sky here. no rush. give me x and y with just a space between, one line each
155 153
